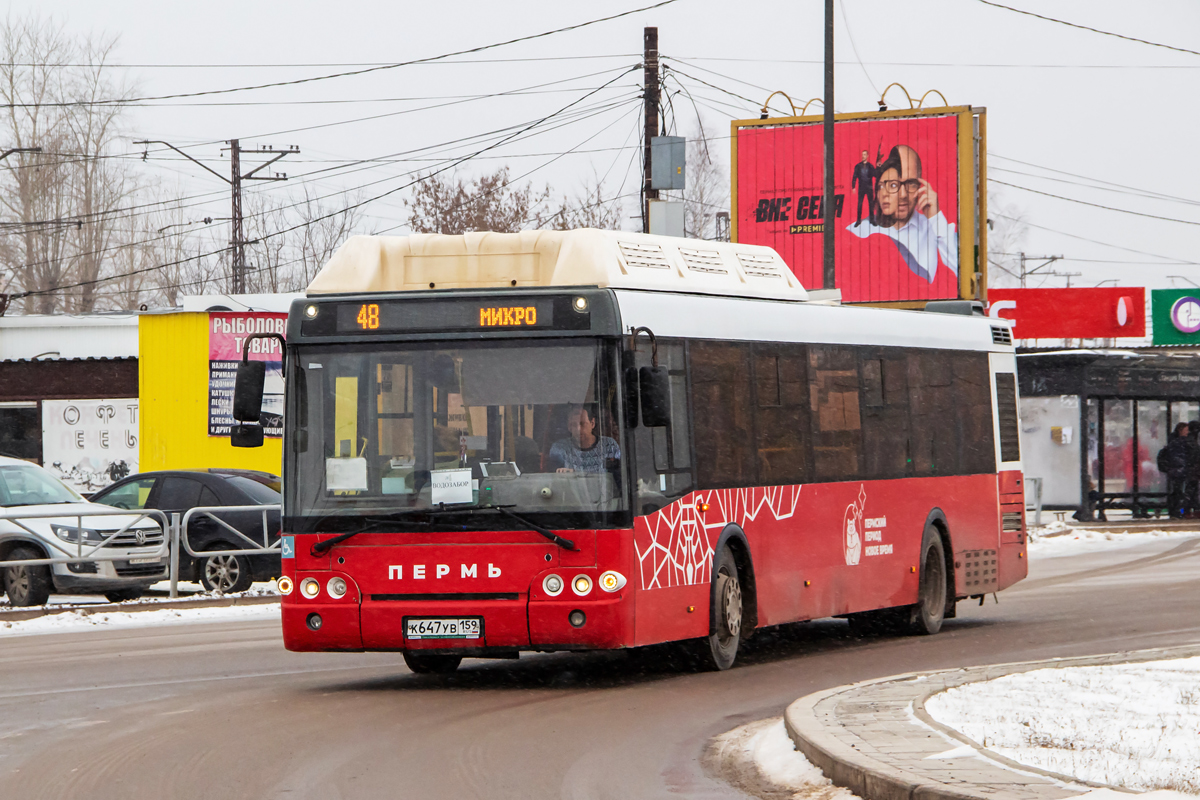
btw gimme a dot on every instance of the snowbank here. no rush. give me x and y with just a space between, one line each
73 621
1051 541
1136 726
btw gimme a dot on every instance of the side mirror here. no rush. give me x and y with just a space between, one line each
243 435
655 394
248 390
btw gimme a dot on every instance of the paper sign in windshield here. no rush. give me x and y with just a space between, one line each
346 474
451 486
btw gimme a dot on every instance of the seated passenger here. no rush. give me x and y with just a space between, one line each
583 450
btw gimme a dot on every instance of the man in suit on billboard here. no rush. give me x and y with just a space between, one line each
910 217
864 179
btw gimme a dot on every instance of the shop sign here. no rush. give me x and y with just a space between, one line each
1106 312
1175 316
227 335
88 444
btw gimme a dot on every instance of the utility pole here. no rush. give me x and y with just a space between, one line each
650 114
237 243
827 203
1048 261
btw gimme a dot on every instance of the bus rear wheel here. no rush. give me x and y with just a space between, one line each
925 618
431 663
727 617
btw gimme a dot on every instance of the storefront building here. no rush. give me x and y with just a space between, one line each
69 395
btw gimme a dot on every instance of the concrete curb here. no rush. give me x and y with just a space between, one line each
875 737
19 614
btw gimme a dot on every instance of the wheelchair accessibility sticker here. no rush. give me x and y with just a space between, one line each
288 548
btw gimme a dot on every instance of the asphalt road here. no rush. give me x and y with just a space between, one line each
223 711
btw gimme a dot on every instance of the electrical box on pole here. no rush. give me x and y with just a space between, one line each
668 162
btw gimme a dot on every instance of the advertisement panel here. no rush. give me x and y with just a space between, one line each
88 444
1175 315
905 201
1107 312
227 333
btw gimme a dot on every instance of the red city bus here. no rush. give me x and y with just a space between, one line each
593 440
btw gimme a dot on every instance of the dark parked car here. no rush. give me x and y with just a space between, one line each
180 490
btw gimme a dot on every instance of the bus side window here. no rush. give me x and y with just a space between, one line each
885 414
722 403
781 426
836 422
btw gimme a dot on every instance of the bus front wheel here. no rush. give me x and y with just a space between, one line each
926 616
727 617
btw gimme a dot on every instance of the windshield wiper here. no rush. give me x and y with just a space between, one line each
372 524
564 543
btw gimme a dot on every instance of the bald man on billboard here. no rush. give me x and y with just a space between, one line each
908 214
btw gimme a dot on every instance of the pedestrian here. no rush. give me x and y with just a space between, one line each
1173 462
1192 486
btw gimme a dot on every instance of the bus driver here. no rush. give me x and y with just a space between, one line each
583 450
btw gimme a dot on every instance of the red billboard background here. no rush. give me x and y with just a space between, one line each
1107 312
780 177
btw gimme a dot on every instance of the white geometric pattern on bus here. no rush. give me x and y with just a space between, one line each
675 545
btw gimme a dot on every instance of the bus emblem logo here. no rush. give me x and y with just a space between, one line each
852 528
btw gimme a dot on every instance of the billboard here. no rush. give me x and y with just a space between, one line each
1107 312
227 333
906 200
1175 315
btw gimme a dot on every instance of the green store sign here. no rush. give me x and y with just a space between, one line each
1175 316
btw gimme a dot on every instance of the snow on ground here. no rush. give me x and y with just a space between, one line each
1055 540
1135 726
759 758
73 621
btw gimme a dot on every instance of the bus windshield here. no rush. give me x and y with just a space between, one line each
401 431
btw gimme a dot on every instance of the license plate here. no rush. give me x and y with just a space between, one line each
443 628
146 560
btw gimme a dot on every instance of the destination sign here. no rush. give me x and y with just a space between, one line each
413 316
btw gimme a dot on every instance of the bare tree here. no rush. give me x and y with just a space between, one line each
591 208
1005 240
448 204
324 231
58 203
706 190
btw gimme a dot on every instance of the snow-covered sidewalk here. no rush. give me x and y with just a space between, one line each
1136 726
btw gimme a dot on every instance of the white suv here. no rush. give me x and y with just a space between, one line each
27 489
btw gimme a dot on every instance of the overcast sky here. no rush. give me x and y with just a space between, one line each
1093 107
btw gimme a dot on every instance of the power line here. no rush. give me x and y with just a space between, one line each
1171 260
1128 192
364 71
1093 30
330 215
1086 178
323 64
1095 205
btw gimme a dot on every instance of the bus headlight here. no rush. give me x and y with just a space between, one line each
284 584
581 585
552 585
336 587
310 588
612 581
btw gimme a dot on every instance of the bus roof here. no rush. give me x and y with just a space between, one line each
585 257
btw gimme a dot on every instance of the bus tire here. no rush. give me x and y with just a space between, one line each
727 611
431 663
926 616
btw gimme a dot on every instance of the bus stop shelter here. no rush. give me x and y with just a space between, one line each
1093 422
